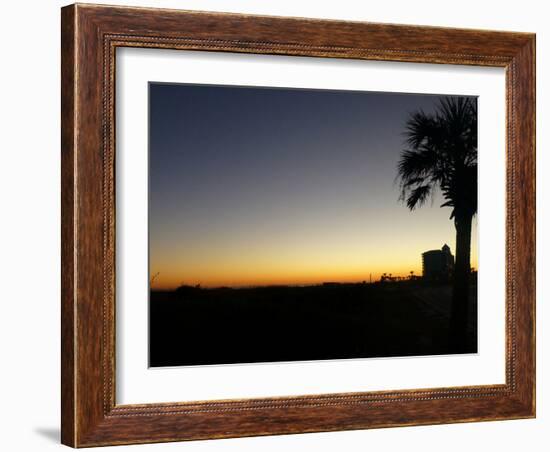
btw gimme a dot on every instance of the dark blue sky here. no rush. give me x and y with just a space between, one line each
267 185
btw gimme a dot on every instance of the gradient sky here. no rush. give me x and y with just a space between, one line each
254 186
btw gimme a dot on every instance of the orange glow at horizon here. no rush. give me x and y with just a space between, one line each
287 269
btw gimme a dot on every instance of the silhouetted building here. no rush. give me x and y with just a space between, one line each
438 265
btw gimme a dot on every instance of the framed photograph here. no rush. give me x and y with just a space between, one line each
281 225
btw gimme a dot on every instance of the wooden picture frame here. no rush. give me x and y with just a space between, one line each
90 36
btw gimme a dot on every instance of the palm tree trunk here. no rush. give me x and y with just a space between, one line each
461 279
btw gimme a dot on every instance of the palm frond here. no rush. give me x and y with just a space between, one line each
418 196
441 153
417 163
420 127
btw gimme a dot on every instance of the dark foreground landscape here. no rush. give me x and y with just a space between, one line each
194 326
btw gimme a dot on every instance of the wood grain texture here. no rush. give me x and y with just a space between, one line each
68 311
90 36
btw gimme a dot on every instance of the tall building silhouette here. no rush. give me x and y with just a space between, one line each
438 265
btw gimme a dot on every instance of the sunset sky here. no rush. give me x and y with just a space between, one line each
257 186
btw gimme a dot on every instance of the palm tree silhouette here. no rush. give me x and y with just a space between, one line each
442 155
